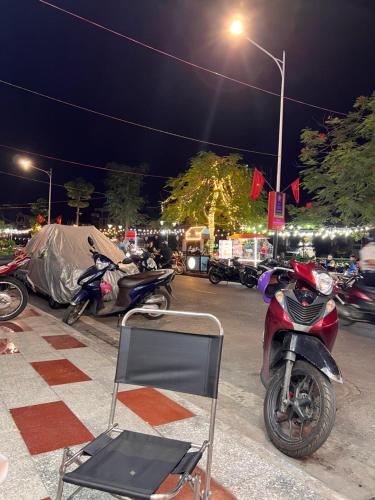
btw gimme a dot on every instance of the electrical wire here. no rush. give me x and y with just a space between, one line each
135 124
180 60
37 180
72 162
28 204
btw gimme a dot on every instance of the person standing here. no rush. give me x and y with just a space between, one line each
367 260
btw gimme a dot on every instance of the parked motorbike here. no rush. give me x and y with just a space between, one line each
145 261
220 270
13 293
355 301
149 290
178 263
250 274
300 331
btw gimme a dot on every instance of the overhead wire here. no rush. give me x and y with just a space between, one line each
184 61
37 180
78 163
136 124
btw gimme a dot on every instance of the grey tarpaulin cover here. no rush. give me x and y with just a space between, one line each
60 254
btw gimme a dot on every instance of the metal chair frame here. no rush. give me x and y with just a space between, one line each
69 458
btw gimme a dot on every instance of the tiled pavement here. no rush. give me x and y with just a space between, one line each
55 391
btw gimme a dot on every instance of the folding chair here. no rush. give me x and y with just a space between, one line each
130 465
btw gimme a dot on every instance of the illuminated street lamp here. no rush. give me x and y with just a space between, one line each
236 28
27 164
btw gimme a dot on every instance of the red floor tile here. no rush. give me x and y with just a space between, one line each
8 347
153 406
15 326
63 341
218 491
29 312
49 426
60 371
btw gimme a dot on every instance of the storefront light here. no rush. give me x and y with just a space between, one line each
191 263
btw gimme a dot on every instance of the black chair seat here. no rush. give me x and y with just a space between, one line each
140 279
132 464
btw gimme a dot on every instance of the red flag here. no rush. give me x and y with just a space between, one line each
40 219
295 189
59 219
257 184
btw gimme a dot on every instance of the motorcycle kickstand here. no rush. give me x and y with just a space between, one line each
290 360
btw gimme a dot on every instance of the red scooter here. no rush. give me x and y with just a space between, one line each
355 301
13 293
300 331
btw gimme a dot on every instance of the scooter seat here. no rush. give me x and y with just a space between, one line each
134 280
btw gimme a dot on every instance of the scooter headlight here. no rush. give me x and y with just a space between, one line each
323 282
100 264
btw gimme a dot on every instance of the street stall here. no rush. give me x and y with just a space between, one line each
194 247
248 247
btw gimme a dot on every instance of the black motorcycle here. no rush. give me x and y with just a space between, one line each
251 274
220 270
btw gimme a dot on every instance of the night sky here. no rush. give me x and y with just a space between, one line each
330 61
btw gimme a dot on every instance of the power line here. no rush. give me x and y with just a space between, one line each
135 124
28 204
180 60
36 180
72 162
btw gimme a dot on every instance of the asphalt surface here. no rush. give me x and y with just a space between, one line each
346 462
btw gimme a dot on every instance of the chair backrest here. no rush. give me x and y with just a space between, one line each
182 362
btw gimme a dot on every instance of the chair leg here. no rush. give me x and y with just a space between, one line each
197 486
60 486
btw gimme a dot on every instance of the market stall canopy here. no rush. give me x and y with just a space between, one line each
60 254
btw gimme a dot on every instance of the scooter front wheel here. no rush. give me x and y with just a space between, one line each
308 419
73 313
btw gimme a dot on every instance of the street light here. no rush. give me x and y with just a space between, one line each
27 164
236 28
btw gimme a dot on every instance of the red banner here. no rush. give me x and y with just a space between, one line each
257 184
295 189
276 210
59 219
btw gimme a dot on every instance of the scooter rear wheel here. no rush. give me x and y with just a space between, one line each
214 277
164 305
313 397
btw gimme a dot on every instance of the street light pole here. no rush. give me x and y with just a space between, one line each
281 65
26 164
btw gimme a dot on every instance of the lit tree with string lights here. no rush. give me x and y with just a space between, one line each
214 191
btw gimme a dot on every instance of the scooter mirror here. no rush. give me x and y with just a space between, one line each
91 241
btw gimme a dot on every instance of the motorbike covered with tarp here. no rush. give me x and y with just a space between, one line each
59 256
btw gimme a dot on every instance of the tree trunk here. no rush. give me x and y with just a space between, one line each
211 222
77 216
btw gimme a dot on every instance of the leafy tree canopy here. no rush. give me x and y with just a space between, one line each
40 207
340 166
79 191
213 191
124 200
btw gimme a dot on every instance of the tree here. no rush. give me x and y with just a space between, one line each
124 200
79 191
340 166
214 191
40 207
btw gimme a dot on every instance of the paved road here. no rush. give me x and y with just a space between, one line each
346 463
